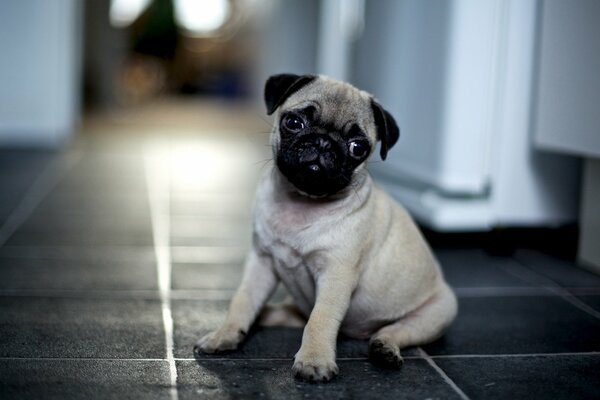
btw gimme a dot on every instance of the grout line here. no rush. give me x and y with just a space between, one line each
107 253
590 353
38 190
290 359
224 294
507 291
441 372
530 276
575 301
157 178
417 357
131 294
80 359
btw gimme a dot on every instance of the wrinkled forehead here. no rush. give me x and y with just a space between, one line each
334 102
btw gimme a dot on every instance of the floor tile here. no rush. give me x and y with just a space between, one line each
211 241
68 226
559 377
239 205
95 253
194 318
77 274
19 159
22 167
53 222
592 301
209 226
66 379
513 325
222 164
18 171
115 161
475 268
563 272
85 236
209 254
72 205
11 196
206 276
272 379
210 231
100 183
85 327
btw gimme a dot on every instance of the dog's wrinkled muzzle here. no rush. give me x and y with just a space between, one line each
313 164
317 155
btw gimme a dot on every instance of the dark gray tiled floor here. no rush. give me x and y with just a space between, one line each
459 270
83 379
194 318
80 237
269 379
206 276
131 207
49 327
539 377
517 325
38 273
81 313
557 270
91 181
592 301
18 170
219 231
106 254
222 206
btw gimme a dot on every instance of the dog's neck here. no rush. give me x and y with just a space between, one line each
357 191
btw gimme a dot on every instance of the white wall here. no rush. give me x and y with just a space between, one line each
287 39
568 113
39 71
458 76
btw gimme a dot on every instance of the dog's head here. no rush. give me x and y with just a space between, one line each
325 131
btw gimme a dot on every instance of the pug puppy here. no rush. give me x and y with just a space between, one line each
351 258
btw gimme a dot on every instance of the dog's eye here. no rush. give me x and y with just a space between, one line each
358 149
293 123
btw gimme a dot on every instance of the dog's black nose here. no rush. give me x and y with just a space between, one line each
323 143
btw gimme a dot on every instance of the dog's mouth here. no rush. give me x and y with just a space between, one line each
313 178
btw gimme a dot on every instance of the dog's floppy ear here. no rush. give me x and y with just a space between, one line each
280 87
387 129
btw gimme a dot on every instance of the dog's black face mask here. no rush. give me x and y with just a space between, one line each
320 140
316 156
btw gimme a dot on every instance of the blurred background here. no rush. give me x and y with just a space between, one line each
132 135
497 100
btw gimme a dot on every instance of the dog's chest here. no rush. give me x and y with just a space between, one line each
287 234
284 232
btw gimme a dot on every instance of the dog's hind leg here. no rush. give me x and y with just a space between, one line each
421 326
285 314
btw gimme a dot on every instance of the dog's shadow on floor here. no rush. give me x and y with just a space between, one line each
283 343
262 368
263 363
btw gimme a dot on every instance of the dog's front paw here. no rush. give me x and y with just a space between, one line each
314 367
218 341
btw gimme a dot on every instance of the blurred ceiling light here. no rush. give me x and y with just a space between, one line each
201 17
123 12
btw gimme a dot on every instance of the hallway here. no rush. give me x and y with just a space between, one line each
121 251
